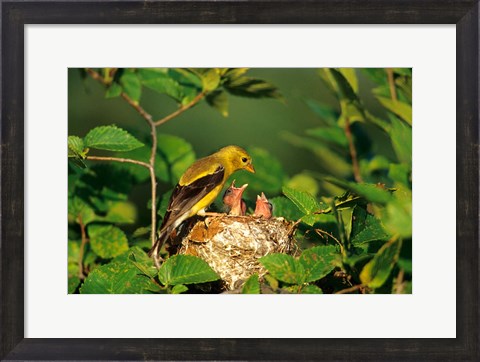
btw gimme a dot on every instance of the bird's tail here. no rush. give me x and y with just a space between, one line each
162 236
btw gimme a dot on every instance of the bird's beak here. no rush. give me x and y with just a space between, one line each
250 168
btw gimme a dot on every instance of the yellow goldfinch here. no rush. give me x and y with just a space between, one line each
198 187
263 207
232 199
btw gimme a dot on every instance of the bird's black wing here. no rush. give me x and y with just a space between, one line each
185 197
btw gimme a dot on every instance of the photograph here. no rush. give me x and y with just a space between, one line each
240 181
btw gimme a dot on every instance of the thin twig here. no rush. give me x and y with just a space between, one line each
351 289
320 231
391 83
353 151
118 159
81 273
399 282
182 109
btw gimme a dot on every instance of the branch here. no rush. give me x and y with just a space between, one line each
320 231
81 273
351 289
182 109
118 159
391 83
353 151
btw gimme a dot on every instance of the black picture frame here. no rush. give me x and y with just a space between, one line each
15 14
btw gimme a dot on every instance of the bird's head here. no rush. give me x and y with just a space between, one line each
263 207
238 158
232 199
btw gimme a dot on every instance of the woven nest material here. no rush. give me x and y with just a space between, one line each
232 245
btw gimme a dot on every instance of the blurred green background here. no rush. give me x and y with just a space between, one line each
251 122
262 123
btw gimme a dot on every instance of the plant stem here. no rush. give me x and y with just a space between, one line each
118 159
391 83
351 289
342 249
353 151
81 273
182 109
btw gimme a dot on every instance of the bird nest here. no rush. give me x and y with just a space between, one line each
232 245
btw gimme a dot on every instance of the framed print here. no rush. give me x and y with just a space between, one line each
349 227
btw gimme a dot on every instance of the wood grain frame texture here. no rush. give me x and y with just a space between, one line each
15 14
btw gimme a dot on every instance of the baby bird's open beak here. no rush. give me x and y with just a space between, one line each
263 207
250 168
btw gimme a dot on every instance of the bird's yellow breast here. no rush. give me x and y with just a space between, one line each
207 200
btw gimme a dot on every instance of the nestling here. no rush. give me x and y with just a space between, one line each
232 199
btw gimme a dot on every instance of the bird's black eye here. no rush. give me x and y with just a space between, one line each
244 159
270 206
228 191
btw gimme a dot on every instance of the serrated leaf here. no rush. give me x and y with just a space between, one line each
252 285
186 269
163 84
118 277
142 261
318 262
120 212
219 100
401 109
234 73
76 145
131 85
366 227
376 271
283 207
305 202
113 91
107 241
111 138
401 137
284 268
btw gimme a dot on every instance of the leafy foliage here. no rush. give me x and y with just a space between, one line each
353 208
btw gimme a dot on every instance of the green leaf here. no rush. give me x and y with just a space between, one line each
400 173
376 271
401 136
186 269
79 210
351 77
305 202
283 207
269 174
107 241
210 79
330 160
131 85
253 88
179 288
118 277
163 84
335 135
401 109
311 289
111 138
252 285
366 227
73 283
120 212
318 262
113 91
142 261
371 192
304 182
175 155
218 99
284 268
76 145
326 113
